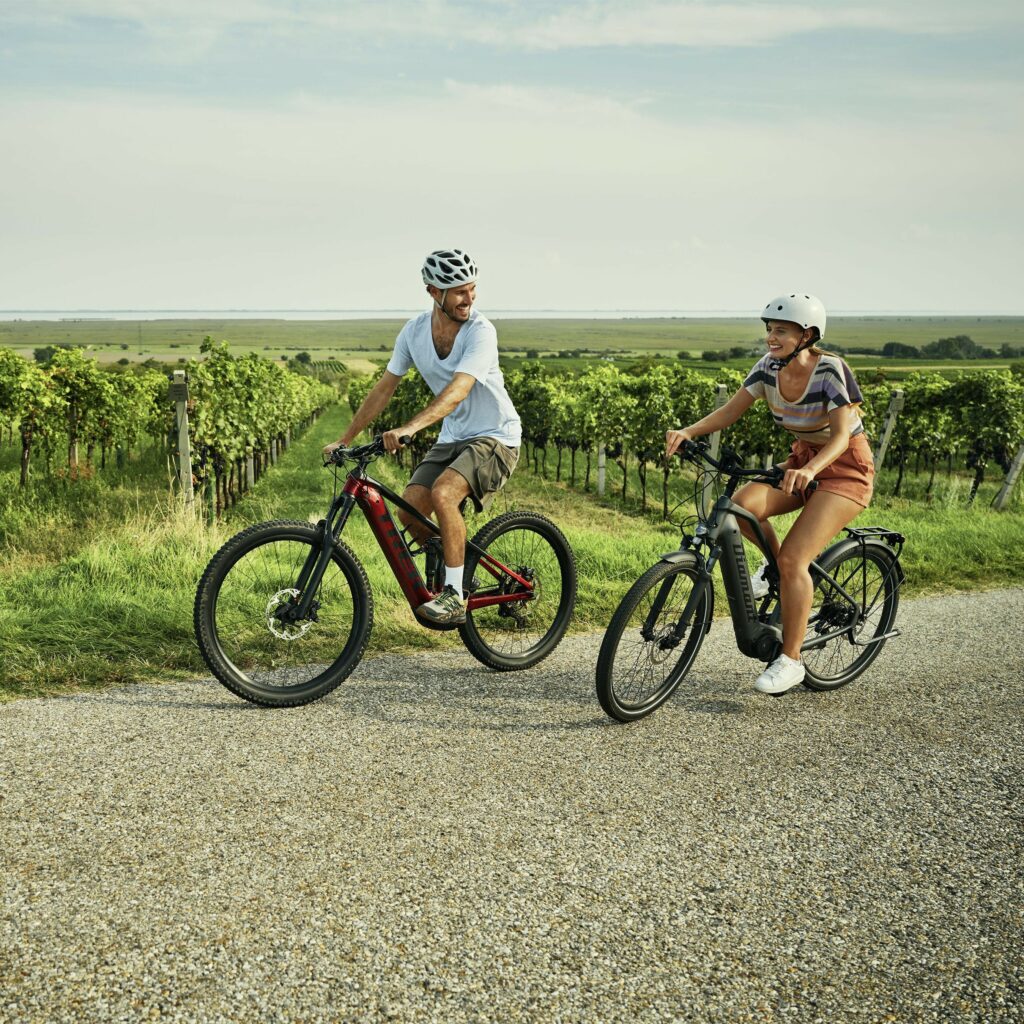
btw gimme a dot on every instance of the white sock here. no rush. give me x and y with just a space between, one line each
453 577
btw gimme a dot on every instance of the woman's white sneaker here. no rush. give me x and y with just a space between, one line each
781 675
758 583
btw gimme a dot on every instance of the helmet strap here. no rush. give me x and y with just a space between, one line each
440 306
779 364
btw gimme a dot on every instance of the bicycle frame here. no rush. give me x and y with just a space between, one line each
371 497
721 533
757 635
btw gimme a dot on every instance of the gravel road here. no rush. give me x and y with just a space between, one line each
435 842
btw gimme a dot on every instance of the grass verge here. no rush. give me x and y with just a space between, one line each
98 577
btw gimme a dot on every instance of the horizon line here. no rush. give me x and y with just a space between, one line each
404 310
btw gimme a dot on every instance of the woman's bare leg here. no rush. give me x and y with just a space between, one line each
824 515
764 502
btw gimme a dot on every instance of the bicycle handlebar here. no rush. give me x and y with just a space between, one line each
374 450
697 451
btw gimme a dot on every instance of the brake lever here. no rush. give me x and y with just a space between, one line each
337 457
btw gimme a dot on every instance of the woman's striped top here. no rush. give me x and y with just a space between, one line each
830 386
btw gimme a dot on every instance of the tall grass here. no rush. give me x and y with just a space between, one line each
97 577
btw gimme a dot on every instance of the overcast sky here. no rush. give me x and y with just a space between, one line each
589 155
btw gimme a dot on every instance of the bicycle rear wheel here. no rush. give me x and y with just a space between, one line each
869 574
261 656
642 661
519 634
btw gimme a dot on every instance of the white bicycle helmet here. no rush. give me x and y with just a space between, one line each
448 268
805 310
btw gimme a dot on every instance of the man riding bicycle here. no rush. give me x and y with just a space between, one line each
455 350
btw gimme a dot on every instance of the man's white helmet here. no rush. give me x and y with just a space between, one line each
448 268
805 310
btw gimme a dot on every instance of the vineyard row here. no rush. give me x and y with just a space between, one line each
980 414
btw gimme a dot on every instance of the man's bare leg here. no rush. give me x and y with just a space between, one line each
419 497
449 491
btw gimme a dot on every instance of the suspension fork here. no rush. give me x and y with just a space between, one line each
308 581
681 627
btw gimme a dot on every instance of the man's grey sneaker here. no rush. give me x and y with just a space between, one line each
447 608
758 582
781 675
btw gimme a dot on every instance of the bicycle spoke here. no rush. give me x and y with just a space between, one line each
642 668
518 633
866 578
246 628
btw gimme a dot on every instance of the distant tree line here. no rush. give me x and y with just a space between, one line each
958 347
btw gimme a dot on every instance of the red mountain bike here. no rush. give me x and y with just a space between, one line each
284 610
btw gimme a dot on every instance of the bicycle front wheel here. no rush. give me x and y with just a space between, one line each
254 649
840 642
645 655
519 634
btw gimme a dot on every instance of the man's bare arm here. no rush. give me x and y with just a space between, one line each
447 401
373 405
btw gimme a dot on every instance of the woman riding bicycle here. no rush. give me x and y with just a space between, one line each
814 396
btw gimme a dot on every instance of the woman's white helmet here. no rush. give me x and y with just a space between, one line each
805 310
448 268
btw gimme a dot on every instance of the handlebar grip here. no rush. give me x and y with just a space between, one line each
777 473
405 439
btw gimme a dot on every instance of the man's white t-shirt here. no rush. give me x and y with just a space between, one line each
487 410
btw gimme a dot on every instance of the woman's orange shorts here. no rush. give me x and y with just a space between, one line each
852 475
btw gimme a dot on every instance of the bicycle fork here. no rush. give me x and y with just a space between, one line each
754 637
672 638
307 583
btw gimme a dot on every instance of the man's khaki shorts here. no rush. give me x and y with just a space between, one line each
484 462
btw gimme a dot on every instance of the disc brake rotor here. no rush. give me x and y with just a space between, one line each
285 630
519 611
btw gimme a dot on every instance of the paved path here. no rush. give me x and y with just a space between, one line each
435 842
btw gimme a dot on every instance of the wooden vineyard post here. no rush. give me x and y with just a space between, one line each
721 397
600 470
895 407
211 496
179 395
1000 500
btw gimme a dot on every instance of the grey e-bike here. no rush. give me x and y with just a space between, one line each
660 624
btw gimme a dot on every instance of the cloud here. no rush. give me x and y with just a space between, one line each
570 201
697 24
191 26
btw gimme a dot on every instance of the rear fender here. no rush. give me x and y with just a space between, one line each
850 545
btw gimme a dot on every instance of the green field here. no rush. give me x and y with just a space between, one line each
364 343
97 576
